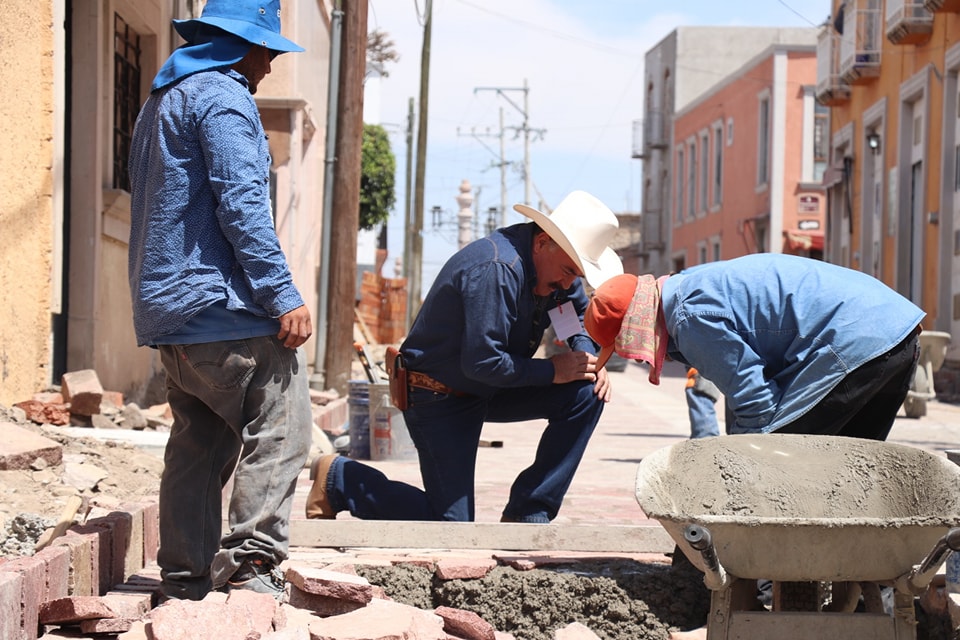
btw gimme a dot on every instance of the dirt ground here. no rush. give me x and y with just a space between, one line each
106 473
617 599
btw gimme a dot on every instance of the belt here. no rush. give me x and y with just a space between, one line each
423 381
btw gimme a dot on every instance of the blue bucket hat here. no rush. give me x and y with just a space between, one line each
256 21
222 36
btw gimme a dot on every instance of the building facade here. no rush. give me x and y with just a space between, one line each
75 75
678 70
888 71
746 169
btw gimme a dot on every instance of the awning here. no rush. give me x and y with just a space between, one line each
804 240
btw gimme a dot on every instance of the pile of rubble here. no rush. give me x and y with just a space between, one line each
337 602
73 442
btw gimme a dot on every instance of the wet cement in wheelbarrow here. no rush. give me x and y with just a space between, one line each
630 600
814 478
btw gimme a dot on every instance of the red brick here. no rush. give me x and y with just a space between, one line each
106 625
323 606
331 584
11 592
83 575
465 624
82 389
74 609
99 537
114 529
45 412
32 590
151 532
464 568
127 605
133 554
261 607
381 619
20 447
112 399
189 620
56 561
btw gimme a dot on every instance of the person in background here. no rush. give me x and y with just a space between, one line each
795 345
212 292
702 396
470 359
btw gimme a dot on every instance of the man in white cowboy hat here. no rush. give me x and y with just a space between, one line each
212 292
469 358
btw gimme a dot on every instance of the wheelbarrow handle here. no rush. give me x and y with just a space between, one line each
917 580
698 537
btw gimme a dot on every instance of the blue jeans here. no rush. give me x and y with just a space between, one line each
446 431
240 408
702 412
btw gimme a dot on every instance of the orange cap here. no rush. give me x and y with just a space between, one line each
604 314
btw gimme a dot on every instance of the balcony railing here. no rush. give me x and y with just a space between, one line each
831 88
942 5
860 43
908 22
655 130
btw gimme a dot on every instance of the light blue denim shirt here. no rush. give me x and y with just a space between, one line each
201 227
776 333
475 331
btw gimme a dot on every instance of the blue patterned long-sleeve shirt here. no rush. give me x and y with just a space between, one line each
201 231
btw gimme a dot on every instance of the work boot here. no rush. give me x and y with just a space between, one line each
318 503
259 575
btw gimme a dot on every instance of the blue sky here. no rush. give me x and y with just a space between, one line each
583 65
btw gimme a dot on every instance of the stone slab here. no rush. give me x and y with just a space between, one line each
20 447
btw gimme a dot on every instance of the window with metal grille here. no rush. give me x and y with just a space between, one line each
126 96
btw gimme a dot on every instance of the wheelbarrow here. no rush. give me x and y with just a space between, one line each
933 350
828 519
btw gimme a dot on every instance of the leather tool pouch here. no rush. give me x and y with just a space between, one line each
397 374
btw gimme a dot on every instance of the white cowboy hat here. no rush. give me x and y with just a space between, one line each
584 227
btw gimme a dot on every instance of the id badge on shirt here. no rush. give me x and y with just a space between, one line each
565 321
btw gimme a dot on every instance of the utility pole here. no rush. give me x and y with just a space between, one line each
501 163
503 177
417 235
318 379
525 112
407 223
346 197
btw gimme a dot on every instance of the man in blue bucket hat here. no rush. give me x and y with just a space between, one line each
212 292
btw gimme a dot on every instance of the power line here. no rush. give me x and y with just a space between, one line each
798 14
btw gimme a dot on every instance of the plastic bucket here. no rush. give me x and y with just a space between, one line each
391 440
358 403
